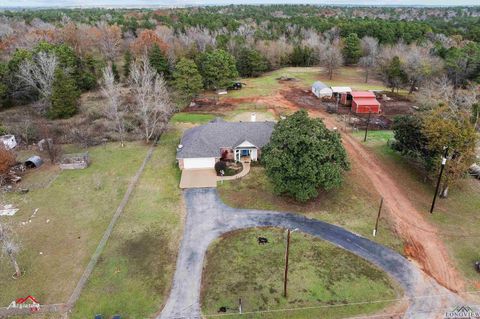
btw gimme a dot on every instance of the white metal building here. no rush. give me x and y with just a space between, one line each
321 90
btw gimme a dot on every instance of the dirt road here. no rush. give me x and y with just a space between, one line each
422 244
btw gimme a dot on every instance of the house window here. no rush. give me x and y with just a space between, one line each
245 152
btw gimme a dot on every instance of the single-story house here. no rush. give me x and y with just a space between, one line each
321 90
8 141
365 102
202 146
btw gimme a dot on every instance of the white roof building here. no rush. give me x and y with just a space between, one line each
8 141
341 89
321 90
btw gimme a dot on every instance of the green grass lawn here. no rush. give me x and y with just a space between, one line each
456 217
320 275
73 212
353 206
195 118
268 84
134 274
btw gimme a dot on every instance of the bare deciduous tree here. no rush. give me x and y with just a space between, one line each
331 56
442 90
112 109
370 55
50 145
38 74
419 65
109 40
7 159
10 248
153 105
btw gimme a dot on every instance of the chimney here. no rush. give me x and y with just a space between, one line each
253 117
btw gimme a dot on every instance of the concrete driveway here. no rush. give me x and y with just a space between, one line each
198 178
208 218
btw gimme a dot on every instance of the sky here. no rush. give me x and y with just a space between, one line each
149 3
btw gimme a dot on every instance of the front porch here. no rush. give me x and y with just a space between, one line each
246 154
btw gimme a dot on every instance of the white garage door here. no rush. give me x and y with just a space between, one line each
200 162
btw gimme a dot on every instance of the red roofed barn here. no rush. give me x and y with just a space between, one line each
364 102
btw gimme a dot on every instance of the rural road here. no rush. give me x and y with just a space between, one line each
208 218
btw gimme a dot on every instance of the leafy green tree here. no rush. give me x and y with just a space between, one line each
127 62
409 138
158 60
463 64
251 63
303 156
217 68
302 56
352 51
394 76
187 78
455 131
65 96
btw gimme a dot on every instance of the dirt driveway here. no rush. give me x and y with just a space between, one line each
423 245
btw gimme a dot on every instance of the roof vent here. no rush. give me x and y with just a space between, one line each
180 146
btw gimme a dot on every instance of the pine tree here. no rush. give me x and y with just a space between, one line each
127 61
158 60
353 49
65 96
187 78
251 63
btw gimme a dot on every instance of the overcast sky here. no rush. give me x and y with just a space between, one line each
144 3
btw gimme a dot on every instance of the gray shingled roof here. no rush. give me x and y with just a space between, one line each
206 140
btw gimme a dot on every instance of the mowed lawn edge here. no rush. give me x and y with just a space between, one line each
322 277
134 274
73 213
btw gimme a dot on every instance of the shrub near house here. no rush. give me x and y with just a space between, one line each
303 156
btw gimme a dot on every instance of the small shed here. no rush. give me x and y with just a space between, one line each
364 102
34 161
338 90
321 90
8 141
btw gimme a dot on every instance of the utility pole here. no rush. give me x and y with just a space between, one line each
368 123
378 217
444 162
287 251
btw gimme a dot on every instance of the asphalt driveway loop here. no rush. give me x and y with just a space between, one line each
208 218
198 178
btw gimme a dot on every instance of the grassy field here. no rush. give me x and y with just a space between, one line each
196 118
134 274
268 84
320 275
456 217
352 206
74 209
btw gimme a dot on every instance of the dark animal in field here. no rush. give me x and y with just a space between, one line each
262 240
477 266
222 309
